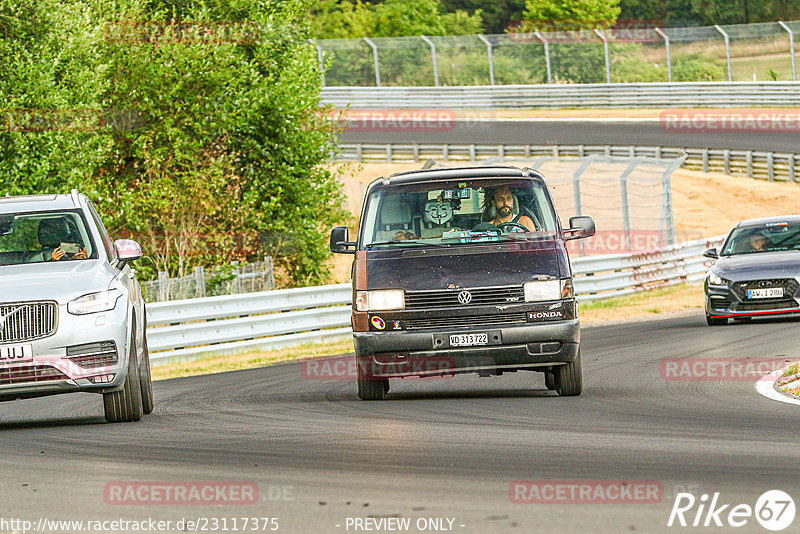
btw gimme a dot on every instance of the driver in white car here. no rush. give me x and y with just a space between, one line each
503 202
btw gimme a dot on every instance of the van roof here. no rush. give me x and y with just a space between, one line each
456 173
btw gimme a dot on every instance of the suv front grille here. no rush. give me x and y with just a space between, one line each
467 320
30 373
26 321
482 296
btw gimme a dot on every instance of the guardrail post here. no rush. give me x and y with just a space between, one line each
705 160
472 152
749 163
433 58
445 152
491 59
546 55
726 160
791 47
374 60
605 53
501 152
319 59
580 151
771 166
360 152
666 46
727 50
527 151
791 168
388 153
416 152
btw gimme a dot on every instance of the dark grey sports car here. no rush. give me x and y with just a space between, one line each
757 272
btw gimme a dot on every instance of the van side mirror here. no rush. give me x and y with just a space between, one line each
711 253
579 227
340 243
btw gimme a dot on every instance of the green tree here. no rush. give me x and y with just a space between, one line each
571 14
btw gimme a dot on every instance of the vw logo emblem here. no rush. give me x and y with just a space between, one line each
465 297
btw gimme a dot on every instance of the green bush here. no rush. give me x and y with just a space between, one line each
696 68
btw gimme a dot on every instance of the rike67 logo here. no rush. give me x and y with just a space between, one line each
774 510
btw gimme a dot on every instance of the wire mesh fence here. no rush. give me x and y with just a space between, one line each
227 280
742 52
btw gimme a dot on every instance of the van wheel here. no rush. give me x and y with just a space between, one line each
569 378
715 321
125 405
146 383
370 388
550 380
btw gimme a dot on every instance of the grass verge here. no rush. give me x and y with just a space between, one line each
641 305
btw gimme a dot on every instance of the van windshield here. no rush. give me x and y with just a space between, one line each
454 213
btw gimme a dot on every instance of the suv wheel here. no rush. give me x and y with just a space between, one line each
550 379
144 378
569 378
370 388
125 405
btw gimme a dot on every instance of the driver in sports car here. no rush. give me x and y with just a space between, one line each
503 201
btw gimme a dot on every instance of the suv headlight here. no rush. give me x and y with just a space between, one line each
715 280
94 302
382 300
542 290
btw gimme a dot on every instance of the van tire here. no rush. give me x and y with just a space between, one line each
370 388
550 380
569 378
125 405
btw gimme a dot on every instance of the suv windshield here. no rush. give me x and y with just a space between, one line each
44 237
454 213
769 237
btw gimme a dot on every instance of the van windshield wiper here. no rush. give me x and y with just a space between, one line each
477 235
405 241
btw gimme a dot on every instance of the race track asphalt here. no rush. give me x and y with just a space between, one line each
436 448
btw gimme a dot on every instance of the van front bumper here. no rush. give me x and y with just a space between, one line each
533 346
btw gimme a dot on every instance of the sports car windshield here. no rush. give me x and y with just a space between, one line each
454 213
40 237
769 237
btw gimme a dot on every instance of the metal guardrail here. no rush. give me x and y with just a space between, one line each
592 95
754 164
274 319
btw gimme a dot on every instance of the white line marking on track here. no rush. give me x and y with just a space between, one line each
766 387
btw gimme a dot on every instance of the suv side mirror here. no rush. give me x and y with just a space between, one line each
127 250
340 243
580 227
711 253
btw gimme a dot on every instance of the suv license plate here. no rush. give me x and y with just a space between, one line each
468 340
16 353
768 293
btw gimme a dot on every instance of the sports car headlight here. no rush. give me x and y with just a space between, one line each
94 302
715 280
382 300
542 290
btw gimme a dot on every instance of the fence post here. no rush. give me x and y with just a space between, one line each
433 58
200 281
546 55
791 47
623 189
319 59
163 286
727 50
666 46
374 60
270 272
605 53
491 59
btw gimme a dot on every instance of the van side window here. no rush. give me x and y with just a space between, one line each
107 243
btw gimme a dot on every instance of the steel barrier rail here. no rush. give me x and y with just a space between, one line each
592 95
274 319
779 166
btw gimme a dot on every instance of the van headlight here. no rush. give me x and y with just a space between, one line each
382 300
542 290
715 280
94 302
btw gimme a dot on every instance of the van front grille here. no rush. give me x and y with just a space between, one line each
481 296
467 320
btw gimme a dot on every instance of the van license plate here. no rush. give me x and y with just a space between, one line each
468 340
16 353
769 293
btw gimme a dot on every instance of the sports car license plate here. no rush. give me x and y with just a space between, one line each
16 353
767 293
468 340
